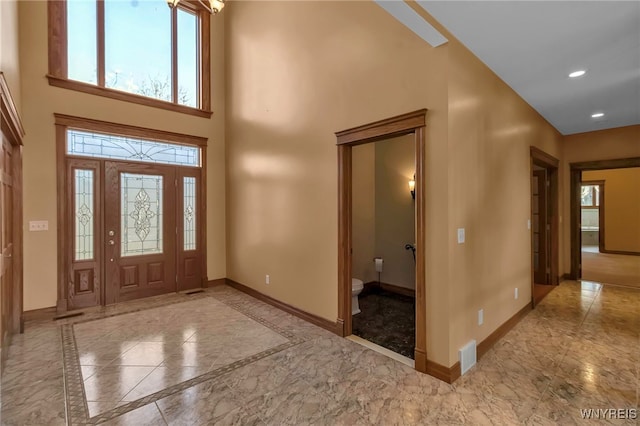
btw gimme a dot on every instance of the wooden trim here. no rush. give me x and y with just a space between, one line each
124 96
413 122
100 60
542 157
10 120
58 72
204 56
451 374
57 24
313 319
620 163
564 277
216 283
382 129
202 238
127 130
626 253
446 374
499 332
43 314
551 164
18 241
390 288
174 55
61 197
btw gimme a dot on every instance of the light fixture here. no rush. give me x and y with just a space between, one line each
412 187
578 73
597 115
213 6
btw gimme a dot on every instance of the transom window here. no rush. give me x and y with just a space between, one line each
100 145
136 50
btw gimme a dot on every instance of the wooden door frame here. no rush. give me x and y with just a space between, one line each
540 158
64 122
575 181
413 122
12 130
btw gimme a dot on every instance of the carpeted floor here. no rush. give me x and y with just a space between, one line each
609 268
387 319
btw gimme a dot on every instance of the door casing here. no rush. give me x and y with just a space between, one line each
63 122
410 123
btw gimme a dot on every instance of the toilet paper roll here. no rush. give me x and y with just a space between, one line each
379 262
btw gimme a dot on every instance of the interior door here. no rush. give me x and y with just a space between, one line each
140 230
540 227
6 242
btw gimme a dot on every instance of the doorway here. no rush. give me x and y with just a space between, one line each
132 214
544 224
383 235
605 232
408 124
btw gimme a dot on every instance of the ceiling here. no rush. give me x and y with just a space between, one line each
534 45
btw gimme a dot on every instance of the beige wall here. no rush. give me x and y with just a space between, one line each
621 207
490 132
9 63
298 72
395 210
295 81
40 101
621 142
364 212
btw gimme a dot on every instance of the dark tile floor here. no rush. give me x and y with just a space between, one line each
387 319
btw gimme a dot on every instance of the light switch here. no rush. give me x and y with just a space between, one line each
38 225
460 235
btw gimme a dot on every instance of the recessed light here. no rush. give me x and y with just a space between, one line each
578 73
597 115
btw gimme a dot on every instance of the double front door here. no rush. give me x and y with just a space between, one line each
134 231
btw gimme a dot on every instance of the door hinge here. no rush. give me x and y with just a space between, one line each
548 270
548 183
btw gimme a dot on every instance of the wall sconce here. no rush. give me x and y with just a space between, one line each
412 187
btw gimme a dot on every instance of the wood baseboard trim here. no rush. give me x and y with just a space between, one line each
39 314
333 327
446 374
215 283
391 288
626 253
420 358
491 339
453 373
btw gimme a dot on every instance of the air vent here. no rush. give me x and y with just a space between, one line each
467 356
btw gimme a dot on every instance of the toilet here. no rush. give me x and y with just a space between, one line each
356 289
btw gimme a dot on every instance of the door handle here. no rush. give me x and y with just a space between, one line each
111 242
111 233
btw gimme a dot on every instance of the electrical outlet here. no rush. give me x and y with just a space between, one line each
515 294
267 279
481 317
38 225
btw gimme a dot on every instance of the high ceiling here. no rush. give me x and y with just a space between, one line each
534 45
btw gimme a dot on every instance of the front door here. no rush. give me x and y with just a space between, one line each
140 230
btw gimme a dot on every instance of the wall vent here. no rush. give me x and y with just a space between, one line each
467 356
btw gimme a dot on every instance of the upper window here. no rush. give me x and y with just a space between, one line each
142 48
590 196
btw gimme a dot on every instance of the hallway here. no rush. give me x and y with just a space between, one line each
223 357
610 268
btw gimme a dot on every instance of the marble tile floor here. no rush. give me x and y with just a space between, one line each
222 357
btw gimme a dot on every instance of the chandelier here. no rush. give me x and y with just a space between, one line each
213 6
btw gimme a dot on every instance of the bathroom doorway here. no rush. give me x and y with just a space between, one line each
410 126
383 246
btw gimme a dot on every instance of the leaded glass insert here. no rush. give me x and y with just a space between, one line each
189 213
83 206
90 144
141 214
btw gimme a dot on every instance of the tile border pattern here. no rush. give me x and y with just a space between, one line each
75 398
